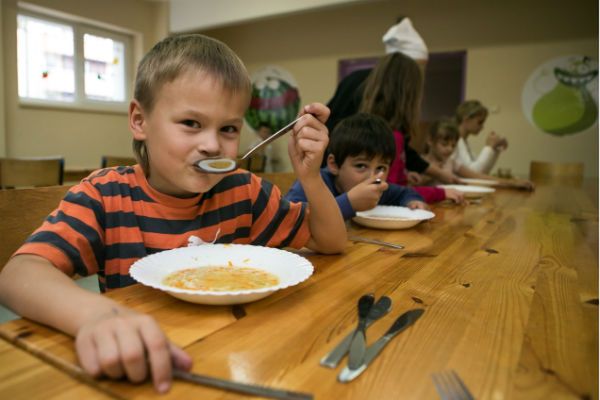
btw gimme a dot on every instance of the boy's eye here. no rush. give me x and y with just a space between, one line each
191 123
230 129
360 166
382 168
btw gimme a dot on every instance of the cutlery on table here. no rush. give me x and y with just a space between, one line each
379 309
358 345
256 390
402 322
450 387
375 241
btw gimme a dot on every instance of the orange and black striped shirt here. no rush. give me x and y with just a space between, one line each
114 217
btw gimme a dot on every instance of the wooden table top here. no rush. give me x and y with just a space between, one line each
509 287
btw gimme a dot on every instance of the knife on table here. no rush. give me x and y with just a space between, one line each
379 309
404 321
375 241
256 390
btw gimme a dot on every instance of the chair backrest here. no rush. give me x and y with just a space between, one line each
31 171
22 211
569 173
116 161
255 163
283 180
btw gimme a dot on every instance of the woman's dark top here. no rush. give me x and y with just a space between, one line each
346 101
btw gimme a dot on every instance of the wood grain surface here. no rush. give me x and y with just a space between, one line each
509 287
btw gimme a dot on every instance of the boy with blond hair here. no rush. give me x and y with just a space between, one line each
191 93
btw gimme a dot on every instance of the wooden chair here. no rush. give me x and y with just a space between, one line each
22 211
570 173
255 163
31 171
283 180
116 161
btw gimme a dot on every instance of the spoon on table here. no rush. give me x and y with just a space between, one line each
221 165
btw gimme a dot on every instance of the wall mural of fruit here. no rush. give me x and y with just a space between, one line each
561 96
275 99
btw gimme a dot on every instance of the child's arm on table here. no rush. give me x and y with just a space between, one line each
110 339
306 149
442 175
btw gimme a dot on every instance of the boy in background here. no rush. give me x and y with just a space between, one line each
361 150
190 96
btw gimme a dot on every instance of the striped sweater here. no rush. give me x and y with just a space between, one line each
114 217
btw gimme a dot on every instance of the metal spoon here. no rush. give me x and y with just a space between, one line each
221 165
358 345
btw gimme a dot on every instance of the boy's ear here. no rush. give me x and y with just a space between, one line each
332 165
136 120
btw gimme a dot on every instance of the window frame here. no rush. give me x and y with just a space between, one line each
81 26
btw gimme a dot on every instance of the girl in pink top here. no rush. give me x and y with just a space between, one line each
393 91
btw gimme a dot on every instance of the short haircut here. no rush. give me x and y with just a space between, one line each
175 55
470 109
362 133
444 129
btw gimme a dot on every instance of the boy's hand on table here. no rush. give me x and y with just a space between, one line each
366 194
417 205
309 140
521 184
124 343
456 196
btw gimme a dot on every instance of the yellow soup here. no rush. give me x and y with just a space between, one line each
220 164
221 279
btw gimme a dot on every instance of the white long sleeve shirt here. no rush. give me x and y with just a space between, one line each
483 163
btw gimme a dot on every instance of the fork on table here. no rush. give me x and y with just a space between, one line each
450 387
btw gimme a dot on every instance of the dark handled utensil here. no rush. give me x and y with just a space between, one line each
223 165
402 322
358 345
256 390
379 309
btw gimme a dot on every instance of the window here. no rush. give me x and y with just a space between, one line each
68 63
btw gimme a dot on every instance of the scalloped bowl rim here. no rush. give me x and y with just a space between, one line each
303 268
426 214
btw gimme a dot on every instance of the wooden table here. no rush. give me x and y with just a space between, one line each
509 288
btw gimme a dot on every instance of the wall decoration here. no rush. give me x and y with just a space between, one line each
275 99
561 96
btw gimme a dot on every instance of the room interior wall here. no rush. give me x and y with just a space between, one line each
2 119
502 36
499 37
82 137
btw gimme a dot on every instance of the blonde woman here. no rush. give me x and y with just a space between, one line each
470 117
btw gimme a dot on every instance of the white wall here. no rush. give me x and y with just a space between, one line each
190 15
496 77
505 41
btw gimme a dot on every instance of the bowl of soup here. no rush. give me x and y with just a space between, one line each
221 274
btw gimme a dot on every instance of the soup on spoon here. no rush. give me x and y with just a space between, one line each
221 165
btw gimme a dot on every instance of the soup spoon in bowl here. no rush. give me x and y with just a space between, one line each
221 165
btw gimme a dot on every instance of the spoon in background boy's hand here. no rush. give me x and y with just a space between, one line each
366 194
221 165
